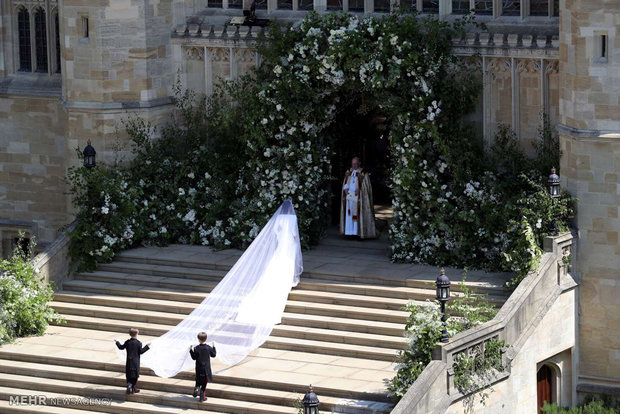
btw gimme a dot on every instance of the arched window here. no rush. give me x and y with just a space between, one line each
57 32
40 40
23 28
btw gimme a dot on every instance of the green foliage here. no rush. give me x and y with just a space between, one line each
475 368
492 214
299 407
423 330
591 406
24 297
547 147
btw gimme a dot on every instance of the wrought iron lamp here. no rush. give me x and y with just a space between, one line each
443 295
310 402
554 184
89 155
554 192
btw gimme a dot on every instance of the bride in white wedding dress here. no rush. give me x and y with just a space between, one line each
240 312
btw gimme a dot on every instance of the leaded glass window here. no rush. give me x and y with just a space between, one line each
460 6
334 4
235 4
23 28
539 7
285 4
57 31
305 5
483 7
511 7
260 4
430 6
382 5
356 5
214 3
40 39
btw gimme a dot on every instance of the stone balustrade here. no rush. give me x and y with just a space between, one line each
434 390
53 263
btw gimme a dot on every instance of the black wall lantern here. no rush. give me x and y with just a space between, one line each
443 295
89 155
554 184
310 402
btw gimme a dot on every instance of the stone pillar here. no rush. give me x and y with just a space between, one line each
590 169
125 64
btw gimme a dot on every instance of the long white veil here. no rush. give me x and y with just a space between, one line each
240 312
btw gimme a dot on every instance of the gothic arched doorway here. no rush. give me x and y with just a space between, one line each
362 133
544 385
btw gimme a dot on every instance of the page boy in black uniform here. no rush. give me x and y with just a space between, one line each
134 349
202 354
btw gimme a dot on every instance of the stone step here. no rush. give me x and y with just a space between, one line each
184 308
182 387
361 310
324 291
213 276
161 270
146 396
162 320
257 381
375 275
114 407
315 291
302 340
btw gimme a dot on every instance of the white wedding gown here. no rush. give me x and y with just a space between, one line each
240 312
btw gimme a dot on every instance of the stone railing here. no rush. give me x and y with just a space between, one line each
53 263
434 390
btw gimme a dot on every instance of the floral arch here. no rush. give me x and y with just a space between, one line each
217 176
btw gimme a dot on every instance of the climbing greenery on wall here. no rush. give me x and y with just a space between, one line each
220 168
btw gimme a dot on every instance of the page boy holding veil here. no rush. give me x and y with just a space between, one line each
202 354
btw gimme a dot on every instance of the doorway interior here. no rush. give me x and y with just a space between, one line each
361 133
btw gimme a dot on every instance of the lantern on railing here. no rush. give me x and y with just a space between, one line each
554 184
443 287
89 155
310 402
443 295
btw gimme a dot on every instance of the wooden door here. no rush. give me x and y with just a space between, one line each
544 386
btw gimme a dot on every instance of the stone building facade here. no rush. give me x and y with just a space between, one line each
72 70
589 128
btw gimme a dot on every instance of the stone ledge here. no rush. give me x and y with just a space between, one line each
34 84
118 105
588 133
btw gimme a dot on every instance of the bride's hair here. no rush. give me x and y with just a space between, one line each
202 336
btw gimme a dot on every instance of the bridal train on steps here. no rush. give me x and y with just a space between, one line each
241 311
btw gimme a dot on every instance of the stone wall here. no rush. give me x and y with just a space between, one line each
590 170
124 57
551 342
33 161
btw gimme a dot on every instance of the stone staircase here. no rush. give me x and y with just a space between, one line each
341 332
